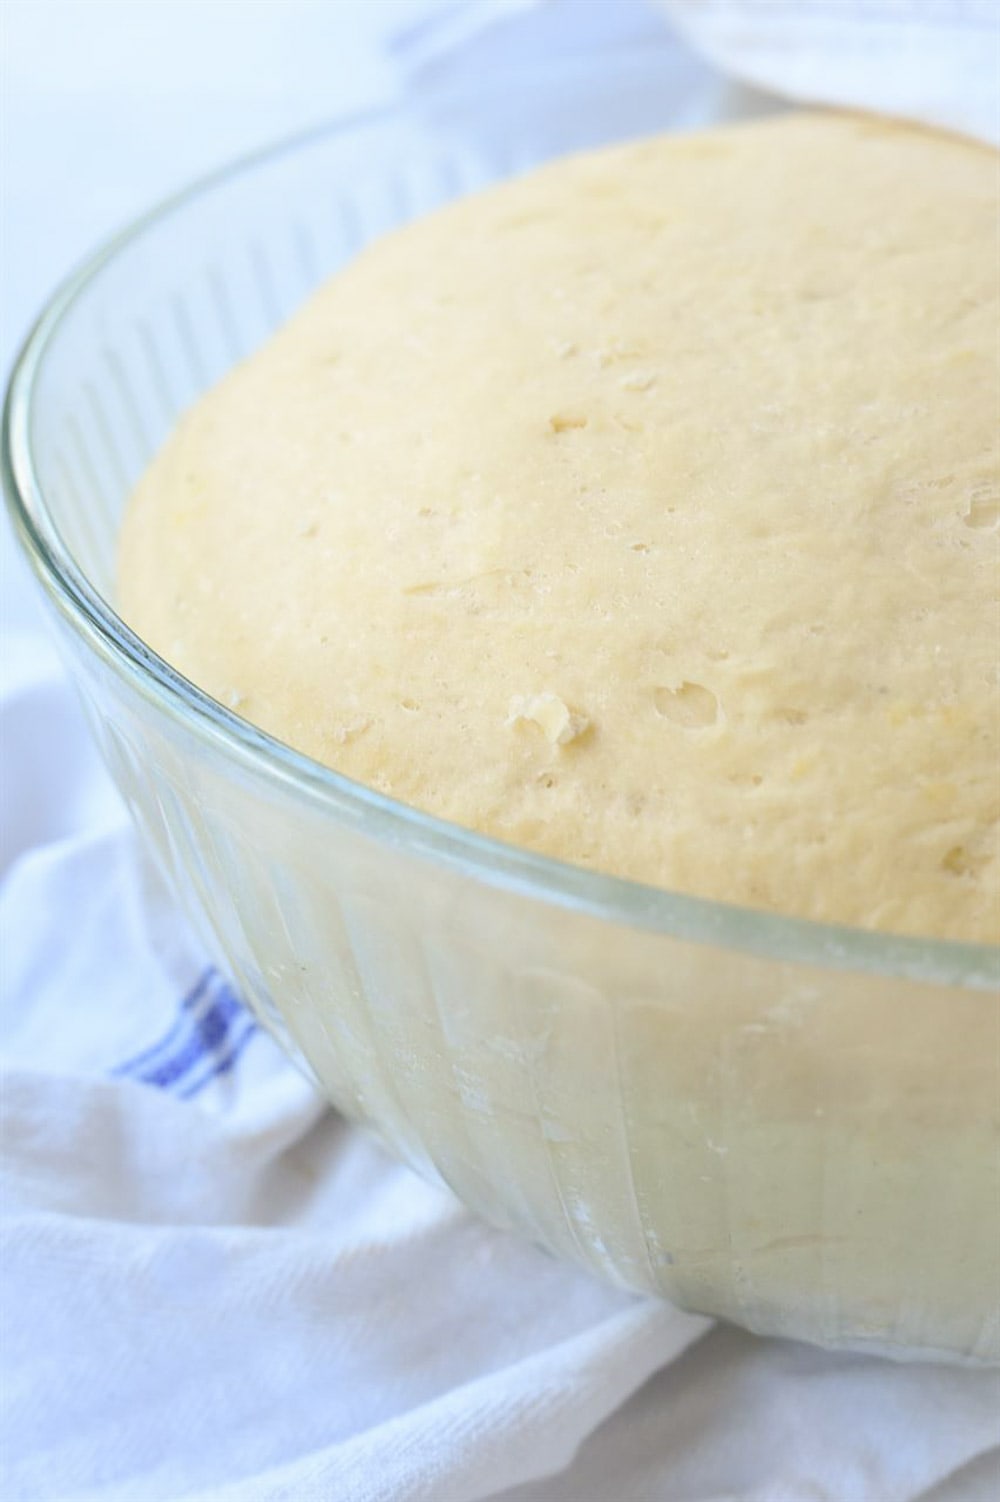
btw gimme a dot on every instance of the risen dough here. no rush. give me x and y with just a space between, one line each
642 511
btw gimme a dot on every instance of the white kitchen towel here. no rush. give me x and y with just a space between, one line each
937 61
211 1287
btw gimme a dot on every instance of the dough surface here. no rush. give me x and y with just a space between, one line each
641 511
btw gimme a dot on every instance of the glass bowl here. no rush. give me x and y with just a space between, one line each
789 1125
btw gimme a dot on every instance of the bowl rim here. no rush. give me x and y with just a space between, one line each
776 936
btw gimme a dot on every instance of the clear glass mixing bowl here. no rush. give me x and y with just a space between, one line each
789 1125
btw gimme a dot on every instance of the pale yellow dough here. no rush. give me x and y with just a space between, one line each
641 511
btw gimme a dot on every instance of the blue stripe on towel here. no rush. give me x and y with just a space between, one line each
222 1065
209 1034
179 1029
